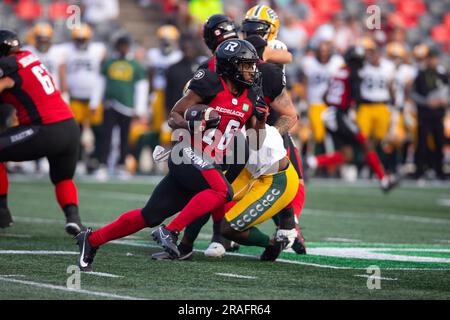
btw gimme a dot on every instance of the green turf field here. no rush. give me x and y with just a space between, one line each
347 227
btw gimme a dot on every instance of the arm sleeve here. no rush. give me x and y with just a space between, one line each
97 93
8 65
274 80
141 97
206 84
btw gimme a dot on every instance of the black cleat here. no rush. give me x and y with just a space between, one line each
185 254
87 251
299 243
168 240
5 218
233 247
73 224
274 249
389 182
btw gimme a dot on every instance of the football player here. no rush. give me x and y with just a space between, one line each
49 54
342 95
46 129
83 59
197 185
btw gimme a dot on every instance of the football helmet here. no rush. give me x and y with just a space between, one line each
230 57
42 36
217 29
81 35
261 20
9 42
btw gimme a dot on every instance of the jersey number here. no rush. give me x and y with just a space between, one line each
230 130
44 79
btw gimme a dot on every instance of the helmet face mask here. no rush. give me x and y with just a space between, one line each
253 27
43 44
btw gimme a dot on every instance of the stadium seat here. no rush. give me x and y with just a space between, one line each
58 10
28 10
440 34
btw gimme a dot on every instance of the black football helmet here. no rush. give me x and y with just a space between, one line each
217 29
354 57
9 42
230 55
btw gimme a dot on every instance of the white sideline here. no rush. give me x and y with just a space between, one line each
39 252
233 275
61 288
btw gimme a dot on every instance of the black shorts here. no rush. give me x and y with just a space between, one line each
183 182
58 142
342 129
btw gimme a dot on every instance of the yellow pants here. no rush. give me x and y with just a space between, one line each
373 120
158 111
82 113
318 128
260 199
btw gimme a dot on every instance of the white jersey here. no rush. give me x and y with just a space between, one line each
318 75
83 69
404 74
52 60
375 81
265 160
160 62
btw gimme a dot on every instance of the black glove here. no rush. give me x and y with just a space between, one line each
203 125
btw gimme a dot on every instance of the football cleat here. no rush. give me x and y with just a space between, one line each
291 234
299 243
215 249
185 254
233 247
5 218
87 251
168 240
389 182
274 249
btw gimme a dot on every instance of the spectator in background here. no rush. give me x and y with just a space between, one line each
293 34
102 15
125 96
431 95
158 60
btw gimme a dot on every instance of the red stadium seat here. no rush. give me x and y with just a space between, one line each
28 10
58 10
412 8
447 21
440 34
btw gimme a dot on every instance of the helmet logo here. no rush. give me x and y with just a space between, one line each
199 74
231 47
217 32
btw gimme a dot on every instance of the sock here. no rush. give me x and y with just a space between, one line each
4 201
66 193
128 223
326 160
71 210
202 203
3 180
286 218
256 238
192 230
375 164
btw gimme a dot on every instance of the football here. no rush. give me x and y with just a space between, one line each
201 112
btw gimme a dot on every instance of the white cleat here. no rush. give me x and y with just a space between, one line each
215 250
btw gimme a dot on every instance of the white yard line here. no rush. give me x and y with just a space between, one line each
342 239
61 288
38 252
12 235
103 274
375 277
444 202
233 275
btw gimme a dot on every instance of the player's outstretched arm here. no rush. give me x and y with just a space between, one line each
6 83
277 56
176 116
288 115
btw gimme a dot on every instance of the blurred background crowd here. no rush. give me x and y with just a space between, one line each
123 120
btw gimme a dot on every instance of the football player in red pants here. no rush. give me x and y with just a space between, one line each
46 129
196 185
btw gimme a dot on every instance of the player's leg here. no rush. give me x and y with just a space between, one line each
20 143
109 121
65 137
268 196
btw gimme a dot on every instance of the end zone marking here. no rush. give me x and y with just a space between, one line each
232 275
61 288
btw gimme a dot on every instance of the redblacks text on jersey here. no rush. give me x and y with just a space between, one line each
34 95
